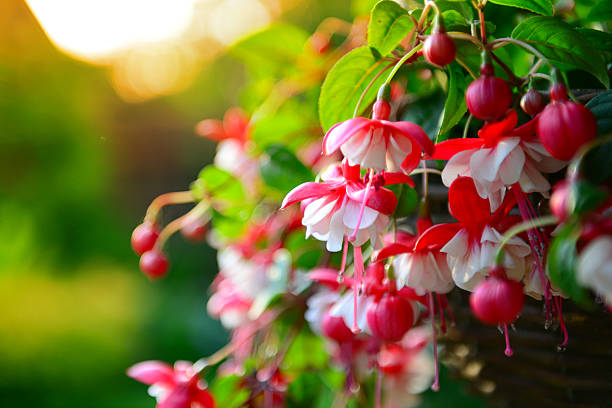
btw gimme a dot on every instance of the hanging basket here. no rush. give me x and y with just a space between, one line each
540 373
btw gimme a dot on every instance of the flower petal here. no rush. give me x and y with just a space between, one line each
341 132
309 190
152 372
448 148
505 127
414 132
437 236
466 205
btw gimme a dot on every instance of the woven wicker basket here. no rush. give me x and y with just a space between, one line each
537 374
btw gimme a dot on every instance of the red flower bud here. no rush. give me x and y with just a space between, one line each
488 97
390 317
565 126
154 264
335 328
532 102
439 49
497 300
144 237
381 110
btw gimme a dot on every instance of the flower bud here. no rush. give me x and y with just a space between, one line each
560 200
565 126
497 300
488 97
532 102
194 229
439 49
390 317
154 264
144 237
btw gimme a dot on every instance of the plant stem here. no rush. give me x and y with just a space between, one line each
178 197
464 65
458 35
513 78
517 229
401 62
426 170
483 31
531 49
467 125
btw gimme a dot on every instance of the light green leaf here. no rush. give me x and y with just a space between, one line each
389 24
562 45
543 7
345 83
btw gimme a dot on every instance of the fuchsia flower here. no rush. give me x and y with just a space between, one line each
334 208
471 249
500 157
378 143
418 262
180 387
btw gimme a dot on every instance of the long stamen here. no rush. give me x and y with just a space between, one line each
508 351
343 265
358 267
432 313
442 318
558 303
363 205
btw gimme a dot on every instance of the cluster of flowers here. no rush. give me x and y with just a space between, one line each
385 313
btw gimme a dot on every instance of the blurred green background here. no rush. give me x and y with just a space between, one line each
79 163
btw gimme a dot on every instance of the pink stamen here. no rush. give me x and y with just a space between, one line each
508 350
378 391
343 266
442 318
363 205
449 311
558 303
358 266
532 238
432 313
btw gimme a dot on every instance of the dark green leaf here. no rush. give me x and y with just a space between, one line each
562 45
586 197
389 24
562 263
283 171
455 106
543 7
602 11
597 165
426 112
600 40
345 83
407 199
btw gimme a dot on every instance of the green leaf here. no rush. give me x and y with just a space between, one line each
426 112
219 184
283 127
306 352
389 24
586 197
597 165
461 6
228 392
562 45
600 40
543 7
281 170
455 106
345 83
562 263
407 199
602 11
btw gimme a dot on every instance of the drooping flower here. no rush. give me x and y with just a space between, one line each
334 207
178 387
378 143
472 248
500 157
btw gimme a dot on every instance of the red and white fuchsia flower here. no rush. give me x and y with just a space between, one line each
178 387
334 208
500 157
471 250
378 143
